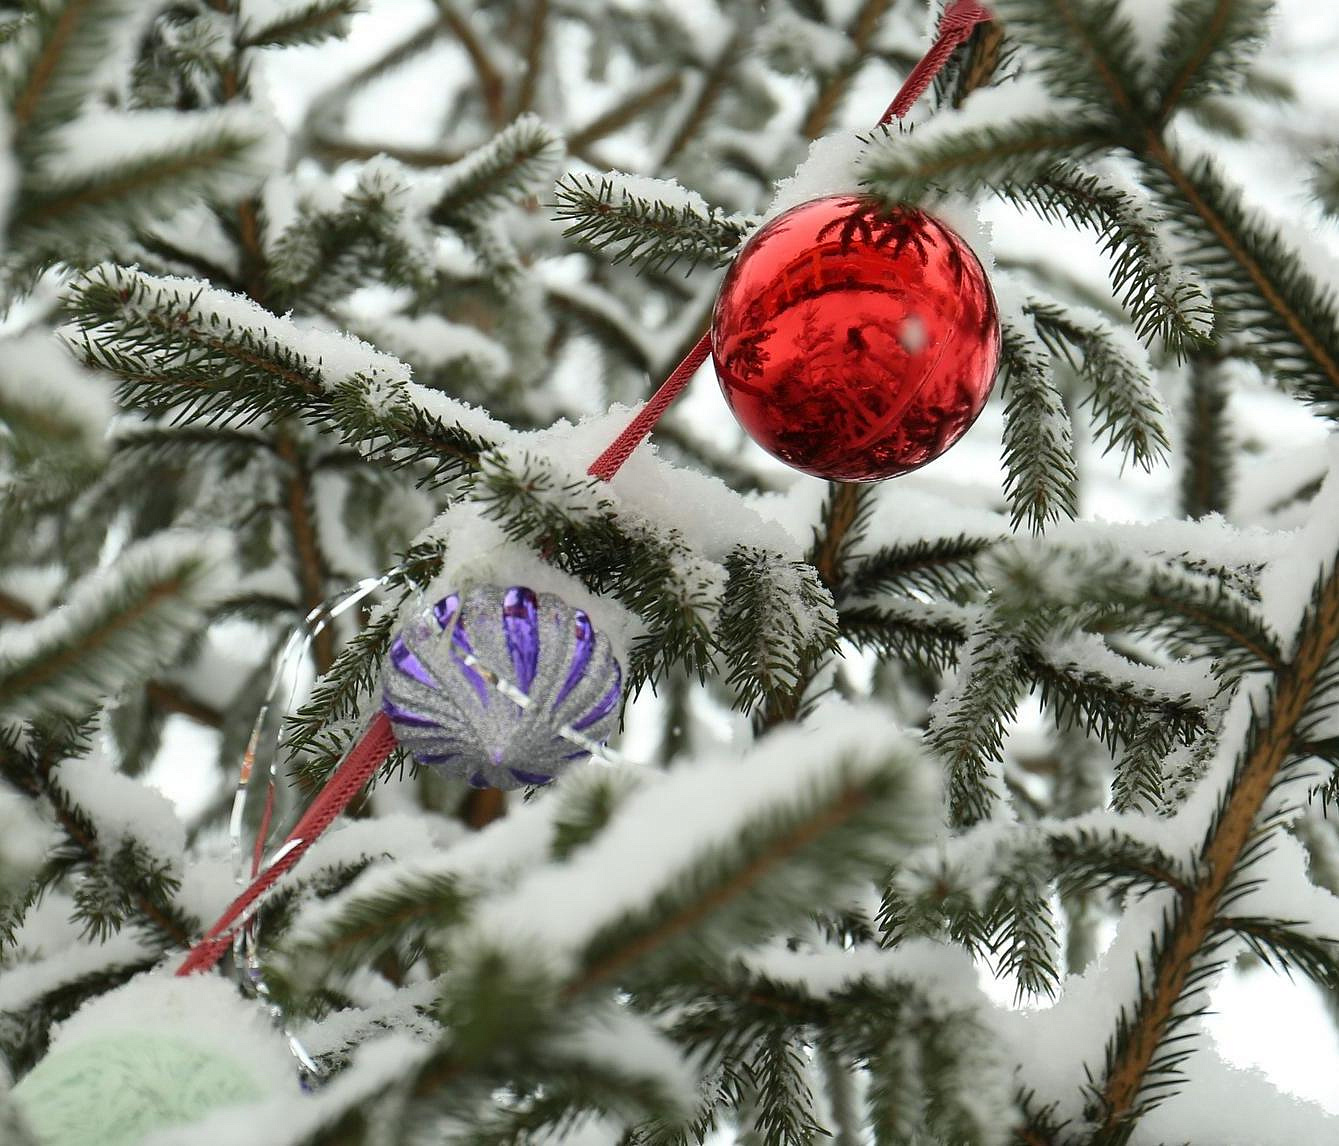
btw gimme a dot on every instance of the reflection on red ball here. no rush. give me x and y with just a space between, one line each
854 341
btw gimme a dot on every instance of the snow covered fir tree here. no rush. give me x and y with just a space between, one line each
934 808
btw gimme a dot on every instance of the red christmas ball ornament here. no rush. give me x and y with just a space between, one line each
855 341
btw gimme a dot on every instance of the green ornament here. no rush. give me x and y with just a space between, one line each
113 1090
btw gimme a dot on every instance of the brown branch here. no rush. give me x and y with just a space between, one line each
534 55
714 83
45 65
166 697
1267 657
172 698
843 507
13 609
862 31
625 111
983 58
1202 487
1158 152
1196 913
481 806
88 844
311 569
341 150
491 84
45 209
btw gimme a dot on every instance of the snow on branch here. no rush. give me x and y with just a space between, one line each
108 172
967 722
809 808
49 404
777 622
518 161
184 347
116 626
1042 476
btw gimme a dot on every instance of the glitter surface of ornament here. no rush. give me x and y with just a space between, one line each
855 341
502 687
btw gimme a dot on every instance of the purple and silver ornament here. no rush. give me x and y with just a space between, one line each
501 687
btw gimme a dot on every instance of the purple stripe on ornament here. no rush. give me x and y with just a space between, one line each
530 777
520 623
472 674
403 659
576 755
605 706
436 757
585 638
478 780
445 609
405 716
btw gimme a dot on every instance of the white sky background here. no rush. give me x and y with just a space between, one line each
1263 1020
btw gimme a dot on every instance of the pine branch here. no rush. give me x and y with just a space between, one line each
625 223
1105 74
1127 408
519 161
844 811
1170 976
785 1112
536 35
223 157
776 626
1279 945
967 723
1256 279
205 355
1205 50
30 770
906 630
1162 299
903 168
316 21
312 573
944 567
713 84
844 517
655 574
1041 481
56 49
325 255
625 110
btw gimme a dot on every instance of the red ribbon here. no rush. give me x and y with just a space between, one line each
955 26
344 784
